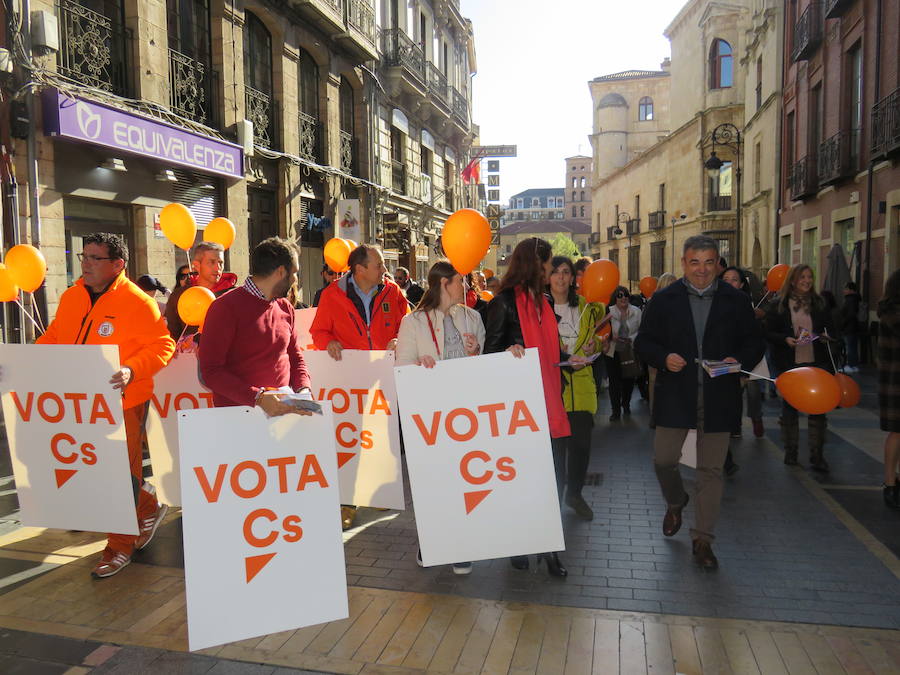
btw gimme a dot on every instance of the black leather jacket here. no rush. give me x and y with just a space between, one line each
502 328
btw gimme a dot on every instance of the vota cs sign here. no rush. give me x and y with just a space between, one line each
81 120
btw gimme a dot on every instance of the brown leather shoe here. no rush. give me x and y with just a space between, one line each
704 556
672 521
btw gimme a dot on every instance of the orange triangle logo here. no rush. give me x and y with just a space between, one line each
63 475
473 499
344 457
255 563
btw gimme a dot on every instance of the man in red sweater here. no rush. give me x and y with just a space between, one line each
249 341
359 311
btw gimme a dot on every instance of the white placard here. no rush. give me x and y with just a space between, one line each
479 458
303 322
67 437
176 387
689 449
363 398
262 529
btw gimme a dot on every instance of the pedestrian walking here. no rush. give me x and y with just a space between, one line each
577 322
103 307
849 326
799 329
441 327
622 366
889 385
696 319
738 279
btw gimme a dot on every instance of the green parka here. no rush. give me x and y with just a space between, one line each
579 388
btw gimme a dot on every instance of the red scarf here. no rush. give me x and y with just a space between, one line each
544 334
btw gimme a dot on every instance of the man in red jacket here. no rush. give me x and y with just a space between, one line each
207 271
249 344
359 311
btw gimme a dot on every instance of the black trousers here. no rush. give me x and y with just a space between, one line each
559 447
579 451
620 389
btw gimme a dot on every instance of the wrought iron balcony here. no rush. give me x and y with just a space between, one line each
94 49
361 17
400 51
260 109
398 177
348 153
192 88
309 130
886 125
808 32
633 226
657 220
803 179
838 157
719 203
835 8
460 107
437 86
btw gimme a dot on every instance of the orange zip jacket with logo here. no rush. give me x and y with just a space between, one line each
337 318
125 316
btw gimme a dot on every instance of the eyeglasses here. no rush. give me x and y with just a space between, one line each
92 258
622 295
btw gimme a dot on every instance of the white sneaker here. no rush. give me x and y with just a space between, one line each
419 558
462 568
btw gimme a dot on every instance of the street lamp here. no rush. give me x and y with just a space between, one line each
728 135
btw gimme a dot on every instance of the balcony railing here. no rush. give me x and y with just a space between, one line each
348 153
808 32
719 203
836 8
309 131
460 107
398 177
361 17
261 112
886 125
803 179
633 226
192 88
437 85
594 239
401 51
838 157
657 220
94 49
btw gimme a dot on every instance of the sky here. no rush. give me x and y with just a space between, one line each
535 59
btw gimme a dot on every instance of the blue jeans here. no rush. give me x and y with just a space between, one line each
851 342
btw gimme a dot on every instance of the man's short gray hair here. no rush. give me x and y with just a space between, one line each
700 242
202 247
401 269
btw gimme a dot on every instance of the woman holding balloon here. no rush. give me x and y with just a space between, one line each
620 360
798 328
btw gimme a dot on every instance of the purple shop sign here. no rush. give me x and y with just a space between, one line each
81 120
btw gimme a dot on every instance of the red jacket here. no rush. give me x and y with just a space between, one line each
337 318
125 316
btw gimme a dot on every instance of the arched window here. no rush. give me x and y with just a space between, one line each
582 181
308 90
574 182
573 195
582 212
582 195
574 211
645 109
347 122
258 99
720 65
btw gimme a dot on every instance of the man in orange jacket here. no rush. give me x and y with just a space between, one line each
103 307
359 311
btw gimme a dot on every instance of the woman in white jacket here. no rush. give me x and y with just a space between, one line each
440 327
626 320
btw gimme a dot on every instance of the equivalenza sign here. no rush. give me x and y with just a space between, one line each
82 120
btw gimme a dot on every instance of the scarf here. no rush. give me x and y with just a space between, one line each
543 334
801 303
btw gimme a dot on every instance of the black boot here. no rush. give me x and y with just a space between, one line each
554 564
891 495
790 438
817 426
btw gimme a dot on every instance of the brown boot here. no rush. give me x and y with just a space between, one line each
704 556
790 438
818 424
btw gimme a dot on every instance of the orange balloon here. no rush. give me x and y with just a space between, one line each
353 245
336 252
488 273
8 289
648 286
178 225
850 393
599 281
26 266
810 390
220 231
193 303
487 296
776 277
466 238
605 331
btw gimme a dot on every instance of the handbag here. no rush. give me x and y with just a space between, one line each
631 367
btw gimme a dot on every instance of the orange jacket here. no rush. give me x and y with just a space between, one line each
337 318
125 316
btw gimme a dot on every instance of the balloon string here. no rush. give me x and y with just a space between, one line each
762 300
36 324
37 313
757 376
830 355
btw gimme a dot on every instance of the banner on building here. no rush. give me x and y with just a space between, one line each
348 219
303 322
262 530
176 387
67 437
363 398
479 458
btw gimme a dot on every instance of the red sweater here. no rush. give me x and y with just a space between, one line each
249 344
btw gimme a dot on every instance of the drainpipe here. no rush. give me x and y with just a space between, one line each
779 169
867 275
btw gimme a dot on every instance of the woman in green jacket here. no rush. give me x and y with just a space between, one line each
578 322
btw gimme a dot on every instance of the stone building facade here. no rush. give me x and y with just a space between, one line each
510 235
577 185
536 204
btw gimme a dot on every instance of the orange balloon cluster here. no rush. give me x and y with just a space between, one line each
810 390
648 286
27 267
850 393
336 253
599 281
487 296
466 238
178 224
193 305
220 231
8 289
776 277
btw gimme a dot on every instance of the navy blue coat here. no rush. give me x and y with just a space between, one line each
667 327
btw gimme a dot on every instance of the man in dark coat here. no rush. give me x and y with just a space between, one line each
410 288
692 320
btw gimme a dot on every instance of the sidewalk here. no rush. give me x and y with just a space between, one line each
809 581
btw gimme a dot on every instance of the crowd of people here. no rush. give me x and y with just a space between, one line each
660 343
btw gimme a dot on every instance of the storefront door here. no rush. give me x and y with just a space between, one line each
262 219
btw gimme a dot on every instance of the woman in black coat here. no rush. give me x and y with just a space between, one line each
800 310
